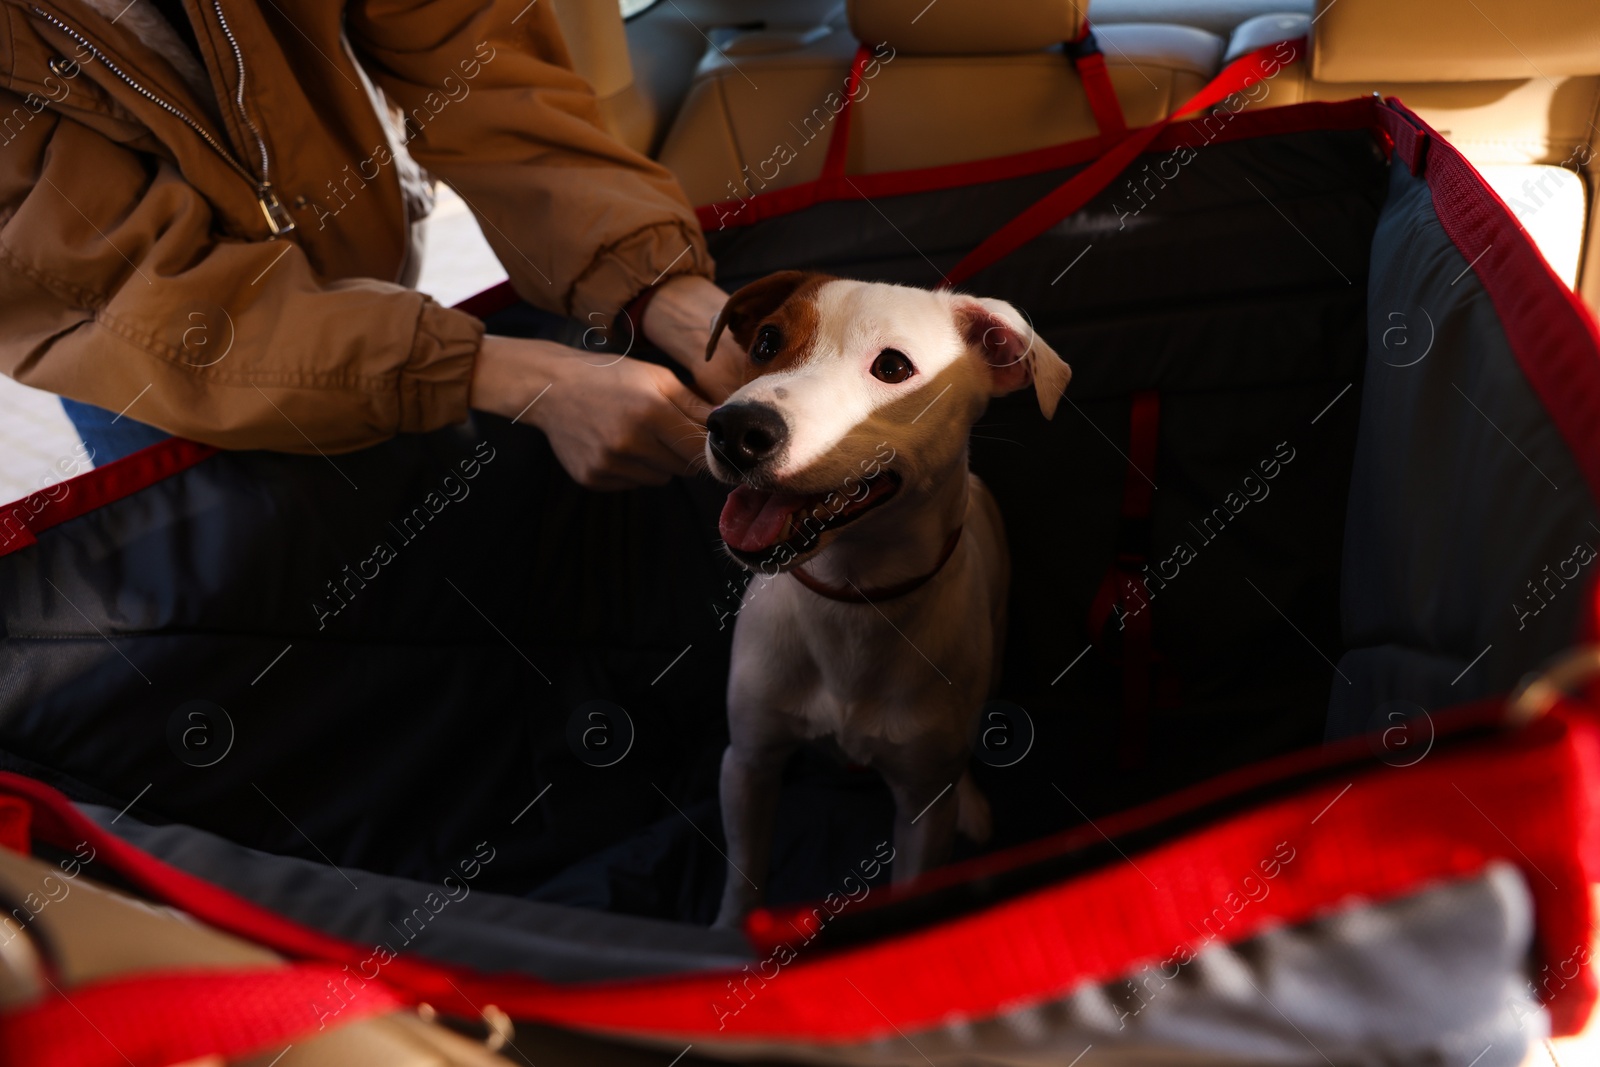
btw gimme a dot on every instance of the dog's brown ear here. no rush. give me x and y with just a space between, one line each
1016 355
748 306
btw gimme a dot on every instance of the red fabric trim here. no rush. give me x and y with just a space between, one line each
1529 802
168 1017
1552 334
58 822
22 520
1407 141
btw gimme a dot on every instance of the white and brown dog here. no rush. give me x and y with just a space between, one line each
848 452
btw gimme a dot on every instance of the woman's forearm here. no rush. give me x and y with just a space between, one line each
678 321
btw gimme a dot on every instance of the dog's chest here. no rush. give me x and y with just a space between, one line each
861 675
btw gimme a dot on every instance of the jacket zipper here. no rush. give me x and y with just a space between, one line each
277 216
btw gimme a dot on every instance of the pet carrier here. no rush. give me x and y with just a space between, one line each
1293 759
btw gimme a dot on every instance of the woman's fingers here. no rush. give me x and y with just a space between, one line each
683 428
625 424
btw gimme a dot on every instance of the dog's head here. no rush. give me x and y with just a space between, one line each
863 393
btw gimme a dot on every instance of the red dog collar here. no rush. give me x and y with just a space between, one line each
853 595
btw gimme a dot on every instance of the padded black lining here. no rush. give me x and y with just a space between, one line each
1467 507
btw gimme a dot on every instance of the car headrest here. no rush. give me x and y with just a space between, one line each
966 27
1447 41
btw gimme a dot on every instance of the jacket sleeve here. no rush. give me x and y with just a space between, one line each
115 291
491 105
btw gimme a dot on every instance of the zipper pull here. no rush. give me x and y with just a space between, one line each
277 216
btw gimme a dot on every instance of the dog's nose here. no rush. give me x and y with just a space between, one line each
745 434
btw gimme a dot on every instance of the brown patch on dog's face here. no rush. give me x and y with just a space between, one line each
779 311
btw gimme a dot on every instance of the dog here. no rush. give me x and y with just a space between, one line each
847 452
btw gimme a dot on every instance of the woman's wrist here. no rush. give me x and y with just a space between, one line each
510 373
678 321
678 316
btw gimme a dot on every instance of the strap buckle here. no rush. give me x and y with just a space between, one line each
1083 47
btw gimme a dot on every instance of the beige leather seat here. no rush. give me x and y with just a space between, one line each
1513 84
1496 101
670 38
640 67
960 80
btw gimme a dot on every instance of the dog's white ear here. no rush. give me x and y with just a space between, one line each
1016 355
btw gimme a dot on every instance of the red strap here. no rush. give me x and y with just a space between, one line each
1083 186
833 165
1102 95
1091 66
1122 586
151 1020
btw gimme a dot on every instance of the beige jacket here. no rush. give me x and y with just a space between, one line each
139 246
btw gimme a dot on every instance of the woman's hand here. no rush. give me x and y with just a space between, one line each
613 423
678 321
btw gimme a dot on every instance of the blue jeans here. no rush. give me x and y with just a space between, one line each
106 435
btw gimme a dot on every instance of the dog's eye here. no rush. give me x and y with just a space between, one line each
768 343
892 366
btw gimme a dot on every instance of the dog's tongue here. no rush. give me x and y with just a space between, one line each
754 519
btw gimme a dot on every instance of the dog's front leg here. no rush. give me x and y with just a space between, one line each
925 816
751 781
